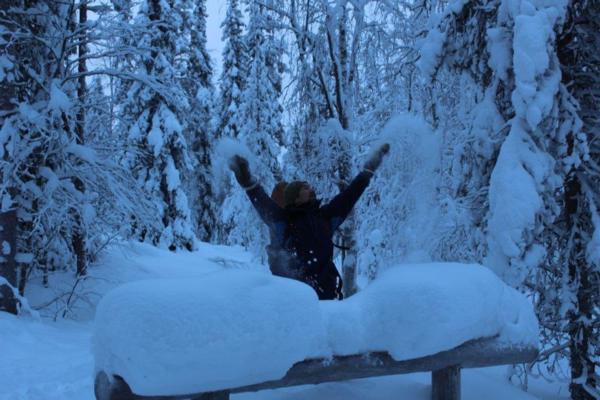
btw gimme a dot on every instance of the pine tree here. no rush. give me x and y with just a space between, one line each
37 131
579 47
513 138
50 174
98 122
231 86
79 236
529 155
199 130
8 211
198 69
261 128
475 127
124 62
233 75
9 88
158 150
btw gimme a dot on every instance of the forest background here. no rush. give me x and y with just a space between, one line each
114 126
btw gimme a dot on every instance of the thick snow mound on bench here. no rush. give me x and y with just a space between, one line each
227 329
416 310
234 328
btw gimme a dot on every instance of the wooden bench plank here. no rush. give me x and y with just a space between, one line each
446 366
472 354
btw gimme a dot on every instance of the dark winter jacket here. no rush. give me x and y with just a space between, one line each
302 237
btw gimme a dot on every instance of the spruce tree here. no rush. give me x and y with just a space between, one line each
578 281
125 60
261 128
233 75
231 86
261 111
528 153
199 130
98 122
38 131
158 155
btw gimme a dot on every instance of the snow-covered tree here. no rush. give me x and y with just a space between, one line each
38 126
80 229
233 75
523 150
123 59
261 111
98 122
509 153
576 275
199 130
158 154
231 85
327 38
261 128
51 175
198 71
405 187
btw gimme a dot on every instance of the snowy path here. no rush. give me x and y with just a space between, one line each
50 361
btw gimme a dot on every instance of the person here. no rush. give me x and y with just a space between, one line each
278 193
303 228
276 233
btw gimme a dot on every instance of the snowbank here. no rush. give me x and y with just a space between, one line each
227 329
44 360
420 309
125 262
52 361
234 328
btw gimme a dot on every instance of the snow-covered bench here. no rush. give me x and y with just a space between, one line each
237 332
445 367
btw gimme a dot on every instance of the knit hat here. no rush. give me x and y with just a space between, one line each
278 193
292 191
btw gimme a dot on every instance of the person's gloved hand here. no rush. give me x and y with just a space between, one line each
239 166
373 163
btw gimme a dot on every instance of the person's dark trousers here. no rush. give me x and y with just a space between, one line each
328 284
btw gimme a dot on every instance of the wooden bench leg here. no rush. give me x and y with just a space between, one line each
115 389
445 384
213 396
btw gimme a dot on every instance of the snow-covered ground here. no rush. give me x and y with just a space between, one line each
46 359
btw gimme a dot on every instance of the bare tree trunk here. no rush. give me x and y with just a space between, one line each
78 239
349 250
8 265
349 258
8 218
339 60
580 314
578 47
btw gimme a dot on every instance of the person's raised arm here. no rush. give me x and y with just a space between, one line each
341 205
268 210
